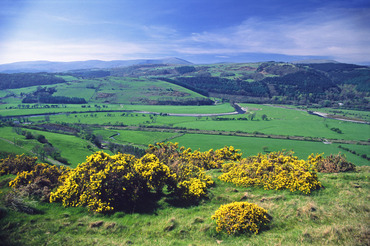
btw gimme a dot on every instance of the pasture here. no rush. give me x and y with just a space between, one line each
267 120
252 146
279 121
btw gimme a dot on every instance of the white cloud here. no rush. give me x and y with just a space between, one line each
69 51
341 34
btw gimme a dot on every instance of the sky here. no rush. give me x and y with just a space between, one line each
200 31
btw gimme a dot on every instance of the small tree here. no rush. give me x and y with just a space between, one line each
252 116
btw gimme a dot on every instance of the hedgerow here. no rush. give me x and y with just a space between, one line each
276 170
240 217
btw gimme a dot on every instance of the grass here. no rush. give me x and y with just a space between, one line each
282 122
81 92
336 215
11 148
142 138
13 110
72 148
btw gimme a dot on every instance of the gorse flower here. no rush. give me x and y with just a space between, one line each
104 183
276 170
240 217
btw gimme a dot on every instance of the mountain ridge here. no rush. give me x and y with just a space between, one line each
52 66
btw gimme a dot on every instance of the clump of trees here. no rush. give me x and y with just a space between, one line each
19 80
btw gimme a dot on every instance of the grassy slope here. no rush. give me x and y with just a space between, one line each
71 147
335 215
116 90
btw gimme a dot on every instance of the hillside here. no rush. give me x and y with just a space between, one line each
314 84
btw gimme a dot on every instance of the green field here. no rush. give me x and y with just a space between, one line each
280 121
14 110
252 146
143 138
286 123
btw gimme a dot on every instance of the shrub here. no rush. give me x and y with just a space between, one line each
191 182
153 171
105 183
19 163
335 164
40 181
276 170
100 183
29 135
240 217
170 153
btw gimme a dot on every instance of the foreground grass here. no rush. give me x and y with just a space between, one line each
335 215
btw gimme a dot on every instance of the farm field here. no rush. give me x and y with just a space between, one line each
142 138
252 146
13 110
278 121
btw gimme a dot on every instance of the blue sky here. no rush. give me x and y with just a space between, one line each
200 31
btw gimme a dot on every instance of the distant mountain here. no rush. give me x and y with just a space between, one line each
47 66
314 61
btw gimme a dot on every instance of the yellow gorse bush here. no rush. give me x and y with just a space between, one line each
191 182
276 170
104 183
19 163
48 174
240 217
170 153
155 172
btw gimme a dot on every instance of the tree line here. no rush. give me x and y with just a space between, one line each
19 80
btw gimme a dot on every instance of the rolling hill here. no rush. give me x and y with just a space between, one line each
48 66
310 83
